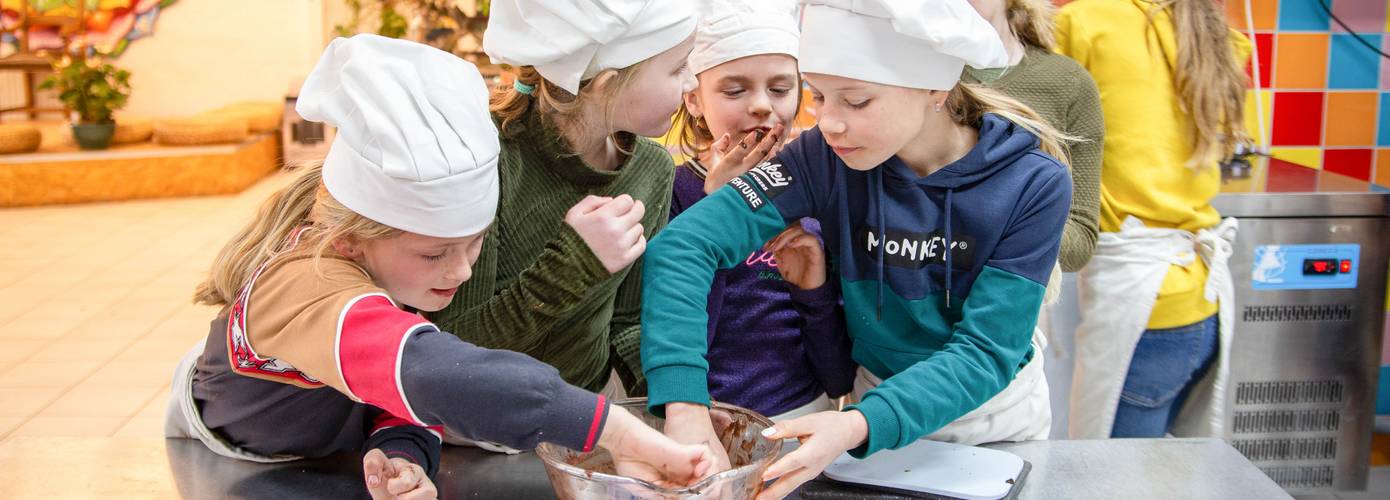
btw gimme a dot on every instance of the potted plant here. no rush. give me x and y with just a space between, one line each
91 90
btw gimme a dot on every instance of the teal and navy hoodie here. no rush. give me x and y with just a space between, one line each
945 331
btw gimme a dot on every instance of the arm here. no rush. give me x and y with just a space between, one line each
625 329
992 339
517 317
398 438
680 263
1086 121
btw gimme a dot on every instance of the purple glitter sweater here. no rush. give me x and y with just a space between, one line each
772 346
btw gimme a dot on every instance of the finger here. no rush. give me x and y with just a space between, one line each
636 251
630 238
634 214
786 485
426 491
788 463
407 478
789 428
722 145
590 203
773 138
376 469
618 206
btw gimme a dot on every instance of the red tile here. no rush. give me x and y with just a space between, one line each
1265 43
1297 119
1354 163
1285 177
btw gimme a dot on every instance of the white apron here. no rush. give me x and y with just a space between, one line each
1117 290
1020 412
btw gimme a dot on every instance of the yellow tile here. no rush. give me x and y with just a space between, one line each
8 424
1308 157
87 400
157 405
154 350
1252 118
87 427
56 377
129 329
30 467
141 427
23 402
50 319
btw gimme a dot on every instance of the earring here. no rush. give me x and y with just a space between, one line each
938 107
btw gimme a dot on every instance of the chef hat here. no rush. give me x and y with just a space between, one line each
569 41
732 29
416 148
922 44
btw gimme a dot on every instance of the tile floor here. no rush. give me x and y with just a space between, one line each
95 309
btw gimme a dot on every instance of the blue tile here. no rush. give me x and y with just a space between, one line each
1353 65
1302 15
1384 139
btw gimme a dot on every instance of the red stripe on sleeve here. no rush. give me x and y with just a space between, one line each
593 426
369 347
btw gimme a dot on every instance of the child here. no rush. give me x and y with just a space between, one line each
594 77
1157 295
904 164
318 350
745 61
1061 92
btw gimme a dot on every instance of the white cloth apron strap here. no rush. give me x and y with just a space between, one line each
182 419
1117 290
1020 412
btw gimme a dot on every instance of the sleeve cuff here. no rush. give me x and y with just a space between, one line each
572 244
884 431
821 296
575 419
676 384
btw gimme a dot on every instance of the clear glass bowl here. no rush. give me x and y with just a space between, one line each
582 476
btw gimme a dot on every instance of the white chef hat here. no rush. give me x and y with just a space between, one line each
733 29
569 41
416 148
922 44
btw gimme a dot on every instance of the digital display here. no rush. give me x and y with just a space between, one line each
1320 266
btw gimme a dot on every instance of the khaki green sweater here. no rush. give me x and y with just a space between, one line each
1065 95
537 288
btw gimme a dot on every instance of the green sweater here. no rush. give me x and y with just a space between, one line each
1064 94
537 288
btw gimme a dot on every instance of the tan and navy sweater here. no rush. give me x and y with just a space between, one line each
537 288
309 362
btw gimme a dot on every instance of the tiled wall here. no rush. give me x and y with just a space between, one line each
1326 96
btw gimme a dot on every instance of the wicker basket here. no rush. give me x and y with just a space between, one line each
202 129
260 116
19 138
132 130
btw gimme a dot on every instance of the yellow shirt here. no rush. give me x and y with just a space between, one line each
1148 136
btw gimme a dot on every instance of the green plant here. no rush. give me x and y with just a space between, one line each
92 89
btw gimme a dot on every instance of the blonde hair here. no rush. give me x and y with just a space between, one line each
1032 21
557 106
1210 81
968 103
304 203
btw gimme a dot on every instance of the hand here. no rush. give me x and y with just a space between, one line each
691 423
612 227
800 258
732 160
641 452
395 478
824 437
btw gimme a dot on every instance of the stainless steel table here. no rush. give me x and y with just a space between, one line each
158 468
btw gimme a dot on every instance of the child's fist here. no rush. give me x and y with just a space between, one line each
395 478
612 227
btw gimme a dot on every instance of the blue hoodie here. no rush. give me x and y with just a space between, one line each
945 331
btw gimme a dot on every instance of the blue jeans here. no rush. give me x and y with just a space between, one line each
1167 364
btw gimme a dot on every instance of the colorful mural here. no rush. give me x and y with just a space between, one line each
110 24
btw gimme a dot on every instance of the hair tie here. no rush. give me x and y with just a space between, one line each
523 88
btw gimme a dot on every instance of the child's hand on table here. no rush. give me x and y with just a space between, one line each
396 478
824 436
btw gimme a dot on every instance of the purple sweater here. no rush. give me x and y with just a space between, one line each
772 346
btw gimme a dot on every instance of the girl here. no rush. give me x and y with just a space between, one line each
593 78
1156 297
318 348
1061 92
745 61
943 214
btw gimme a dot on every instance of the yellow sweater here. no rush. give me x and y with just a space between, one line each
1148 136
